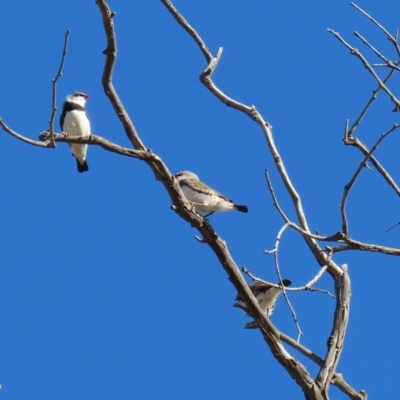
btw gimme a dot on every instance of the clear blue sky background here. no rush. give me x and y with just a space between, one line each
104 293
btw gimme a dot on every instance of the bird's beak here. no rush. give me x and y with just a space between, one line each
86 96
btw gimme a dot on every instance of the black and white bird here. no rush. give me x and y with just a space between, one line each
74 121
266 296
205 199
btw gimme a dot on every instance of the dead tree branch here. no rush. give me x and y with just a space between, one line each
336 339
251 111
54 89
369 68
390 37
182 207
103 143
313 389
7 129
337 379
275 252
298 372
350 184
349 132
308 286
338 236
353 141
108 86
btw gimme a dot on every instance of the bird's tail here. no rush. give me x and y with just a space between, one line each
82 167
243 209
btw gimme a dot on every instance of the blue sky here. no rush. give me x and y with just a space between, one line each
104 293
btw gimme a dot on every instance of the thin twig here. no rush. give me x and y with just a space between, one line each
352 244
277 240
389 36
275 251
309 285
388 62
274 198
374 248
54 89
336 237
349 132
189 29
7 129
353 141
349 185
306 287
394 226
332 238
367 65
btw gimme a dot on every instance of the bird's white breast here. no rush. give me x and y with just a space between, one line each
76 123
268 298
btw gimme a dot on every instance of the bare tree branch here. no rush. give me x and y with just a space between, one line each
367 65
274 198
186 26
300 374
352 244
335 344
392 39
338 236
54 89
349 132
7 129
392 227
205 78
388 63
181 207
337 378
147 155
108 86
313 389
275 252
356 245
353 141
307 286
350 184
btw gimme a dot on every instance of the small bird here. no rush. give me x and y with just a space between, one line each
266 296
74 121
205 199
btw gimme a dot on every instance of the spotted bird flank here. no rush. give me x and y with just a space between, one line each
205 199
266 296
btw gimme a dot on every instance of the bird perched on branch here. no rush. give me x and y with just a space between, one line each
266 296
205 199
74 121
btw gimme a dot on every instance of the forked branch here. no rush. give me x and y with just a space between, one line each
295 369
183 208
